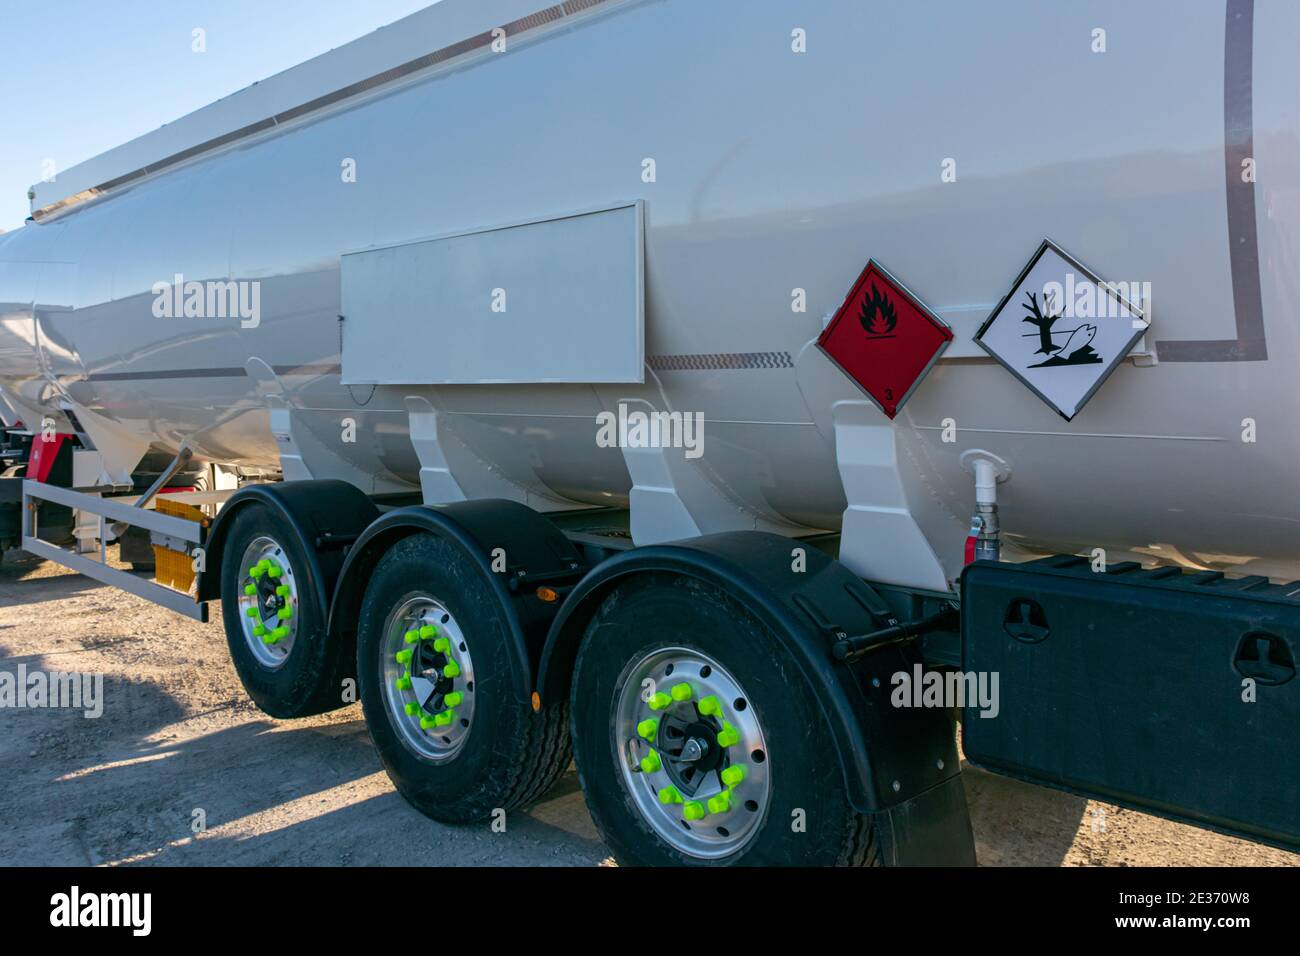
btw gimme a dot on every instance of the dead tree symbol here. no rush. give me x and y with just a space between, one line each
1042 322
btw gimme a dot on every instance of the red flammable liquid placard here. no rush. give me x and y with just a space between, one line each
884 339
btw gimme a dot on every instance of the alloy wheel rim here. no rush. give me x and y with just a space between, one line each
268 602
427 675
692 752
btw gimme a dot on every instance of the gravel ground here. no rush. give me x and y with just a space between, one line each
178 739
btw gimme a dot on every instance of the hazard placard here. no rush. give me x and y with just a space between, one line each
1061 330
884 338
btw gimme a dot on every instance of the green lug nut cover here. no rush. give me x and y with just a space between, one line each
651 763
282 590
250 589
694 810
721 802
256 572
404 657
274 571
451 670
733 774
428 631
280 632
710 707
648 728
259 630
284 613
659 701
253 612
453 699
669 795
682 691
403 683
270 638
411 637
728 736
412 708
428 723
442 645
443 719
451 714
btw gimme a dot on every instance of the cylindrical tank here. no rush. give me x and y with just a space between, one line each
791 143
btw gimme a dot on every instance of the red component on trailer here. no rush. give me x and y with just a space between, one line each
45 452
884 338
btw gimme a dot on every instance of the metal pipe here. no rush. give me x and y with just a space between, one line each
854 647
984 543
180 461
988 541
183 455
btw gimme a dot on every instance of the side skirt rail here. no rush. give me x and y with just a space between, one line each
107 509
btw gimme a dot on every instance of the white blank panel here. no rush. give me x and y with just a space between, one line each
421 313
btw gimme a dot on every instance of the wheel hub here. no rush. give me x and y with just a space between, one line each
694 749
694 753
689 750
428 678
268 601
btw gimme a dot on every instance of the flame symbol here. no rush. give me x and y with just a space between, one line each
878 316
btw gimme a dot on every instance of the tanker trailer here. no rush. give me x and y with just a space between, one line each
723 395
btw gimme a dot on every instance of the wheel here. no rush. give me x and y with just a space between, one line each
697 740
437 672
278 637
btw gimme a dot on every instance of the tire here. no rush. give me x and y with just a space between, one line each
798 766
508 755
310 677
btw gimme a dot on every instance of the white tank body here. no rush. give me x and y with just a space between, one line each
775 171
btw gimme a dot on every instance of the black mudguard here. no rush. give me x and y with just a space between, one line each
898 763
517 550
326 514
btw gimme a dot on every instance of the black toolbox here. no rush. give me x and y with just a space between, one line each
1169 691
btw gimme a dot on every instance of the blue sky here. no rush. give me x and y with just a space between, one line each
78 77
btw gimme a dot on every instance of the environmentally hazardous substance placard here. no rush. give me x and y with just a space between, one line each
884 338
1061 330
